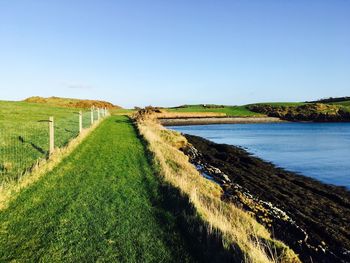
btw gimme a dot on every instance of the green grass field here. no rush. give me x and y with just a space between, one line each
343 103
23 139
280 103
100 204
236 111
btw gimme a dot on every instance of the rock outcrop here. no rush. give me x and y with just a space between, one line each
317 112
311 217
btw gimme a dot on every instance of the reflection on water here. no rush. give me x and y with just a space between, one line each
318 150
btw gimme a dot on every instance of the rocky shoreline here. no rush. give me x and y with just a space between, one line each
311 217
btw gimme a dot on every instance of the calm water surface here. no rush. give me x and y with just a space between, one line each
318 150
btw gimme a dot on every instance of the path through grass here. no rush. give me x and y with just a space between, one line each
99 204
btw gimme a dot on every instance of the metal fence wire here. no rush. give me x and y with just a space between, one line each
23 146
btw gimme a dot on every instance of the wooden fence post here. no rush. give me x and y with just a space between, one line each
80 121
92 115
51 136
98 114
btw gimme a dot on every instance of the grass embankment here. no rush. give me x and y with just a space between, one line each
24 139
185 115
239 232
122 111
286 104
321 112
229 111
345 103
98 204
337 100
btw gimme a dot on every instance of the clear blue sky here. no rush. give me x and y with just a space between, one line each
175 52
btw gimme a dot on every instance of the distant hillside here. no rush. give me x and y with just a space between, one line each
331 100
71 103
230 111
319 112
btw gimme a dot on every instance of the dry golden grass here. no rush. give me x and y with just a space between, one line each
71 103
10 189
236 226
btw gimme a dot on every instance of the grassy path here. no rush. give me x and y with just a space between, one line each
97 205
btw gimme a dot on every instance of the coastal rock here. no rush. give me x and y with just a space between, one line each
311 217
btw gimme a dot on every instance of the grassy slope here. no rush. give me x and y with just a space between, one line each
96 205
14 114
280 103
21 119
345 104
239 111
70 102
236 226
121 111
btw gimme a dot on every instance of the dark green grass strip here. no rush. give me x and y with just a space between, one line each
99 204
233 111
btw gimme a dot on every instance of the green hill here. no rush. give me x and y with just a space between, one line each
231 111
71 103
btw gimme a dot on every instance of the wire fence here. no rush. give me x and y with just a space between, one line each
23 146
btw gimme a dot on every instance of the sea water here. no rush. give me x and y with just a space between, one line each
318 150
